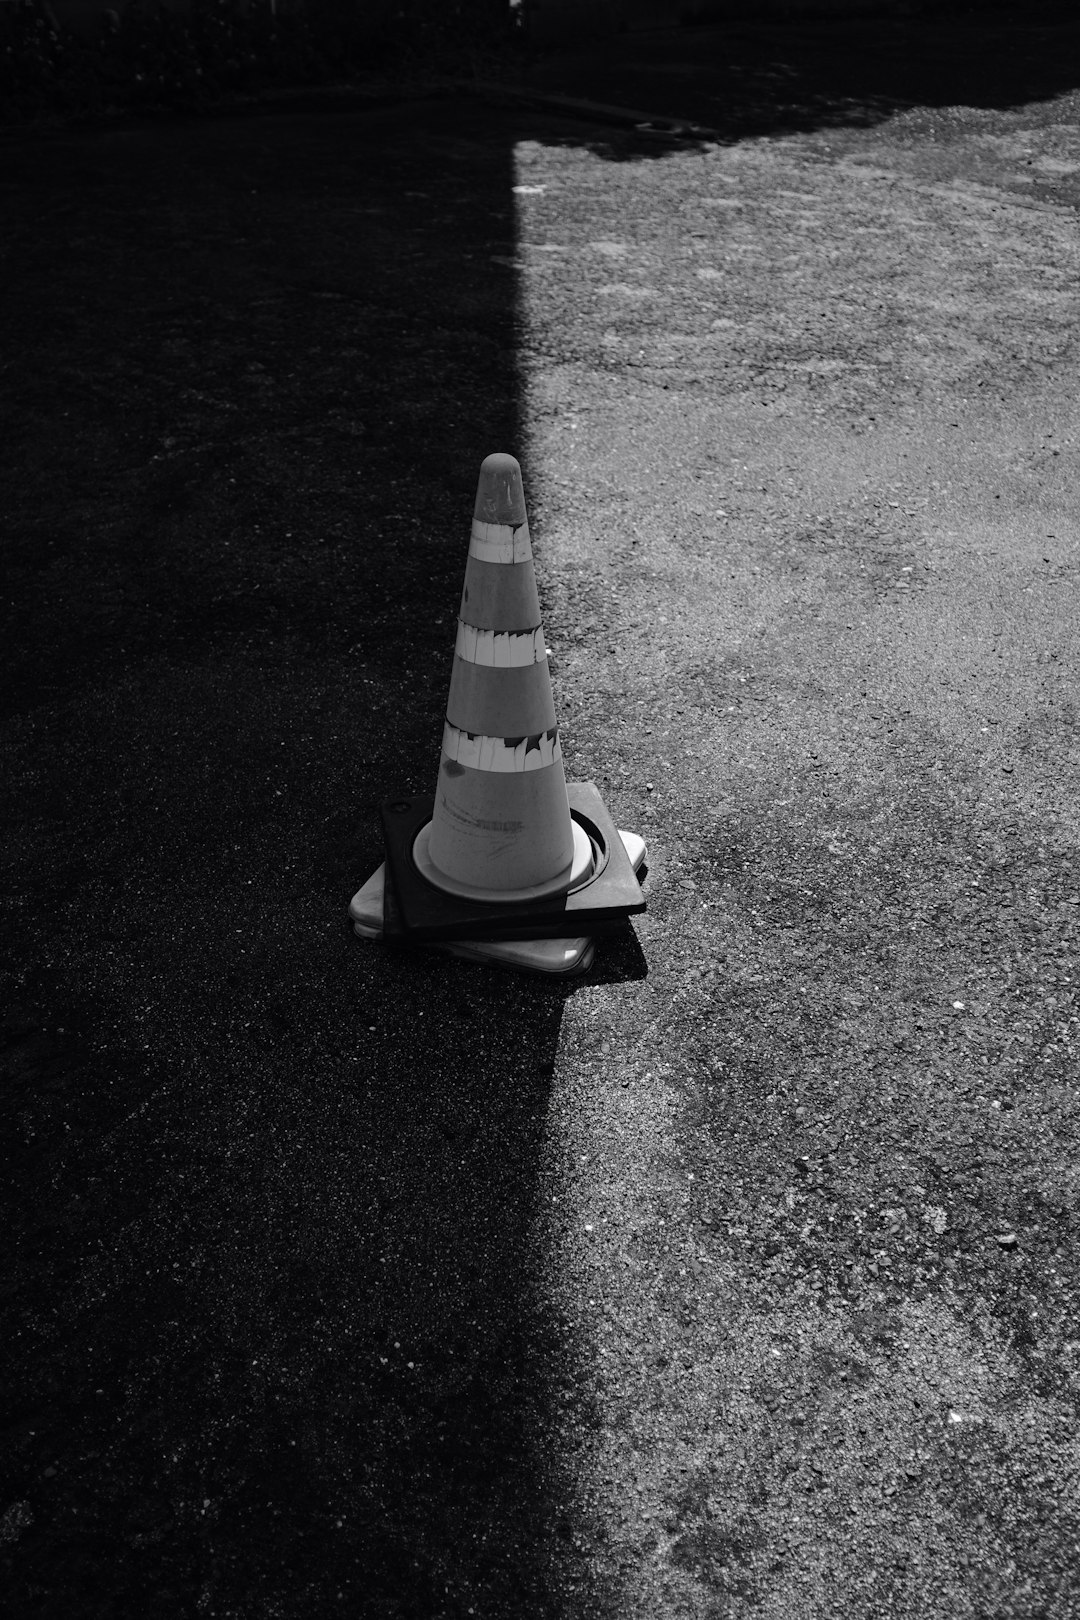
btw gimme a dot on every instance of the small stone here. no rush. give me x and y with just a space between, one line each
1007 1240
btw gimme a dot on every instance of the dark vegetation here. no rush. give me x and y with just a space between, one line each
150 59
146 58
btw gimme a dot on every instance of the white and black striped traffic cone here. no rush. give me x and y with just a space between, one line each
505 863
501 828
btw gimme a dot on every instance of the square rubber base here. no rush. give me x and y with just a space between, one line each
415 909
553 958
556 958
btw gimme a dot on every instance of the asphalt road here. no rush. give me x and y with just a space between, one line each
740 1277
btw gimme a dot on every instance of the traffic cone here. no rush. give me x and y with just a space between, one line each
501 828
507 863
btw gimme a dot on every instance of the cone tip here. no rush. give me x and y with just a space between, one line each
500 497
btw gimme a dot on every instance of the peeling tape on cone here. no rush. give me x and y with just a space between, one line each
501 820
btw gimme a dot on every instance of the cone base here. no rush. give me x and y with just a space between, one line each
579 869
553 958
416 910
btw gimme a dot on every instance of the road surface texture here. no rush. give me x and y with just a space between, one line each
739 1278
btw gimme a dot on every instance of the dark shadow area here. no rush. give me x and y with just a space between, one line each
277 1331
742 78
619 958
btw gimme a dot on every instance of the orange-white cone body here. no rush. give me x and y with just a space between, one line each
501 821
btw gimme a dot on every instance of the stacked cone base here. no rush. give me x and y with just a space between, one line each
556 958
552 935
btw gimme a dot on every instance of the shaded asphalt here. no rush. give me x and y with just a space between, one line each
740 1277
